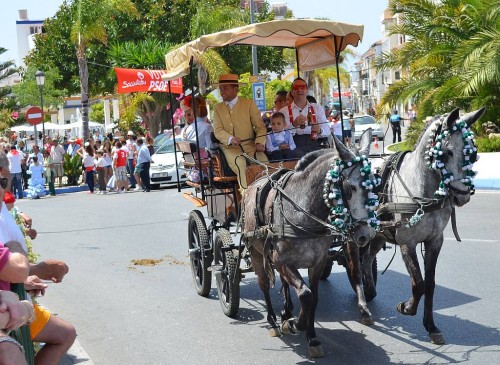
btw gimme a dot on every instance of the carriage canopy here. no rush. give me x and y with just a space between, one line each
317 42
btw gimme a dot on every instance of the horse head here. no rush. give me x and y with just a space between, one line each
451 152
348 192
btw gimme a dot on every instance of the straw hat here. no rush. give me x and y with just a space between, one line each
130 133
229 79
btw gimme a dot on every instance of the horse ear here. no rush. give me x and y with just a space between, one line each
344 153
472 117
452 118
365 142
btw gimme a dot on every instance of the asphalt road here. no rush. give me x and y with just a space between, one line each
135 314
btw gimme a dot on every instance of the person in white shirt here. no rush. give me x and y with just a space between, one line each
279 144
144 161
73 147
131 147
205 129
307 121
57 153
15 160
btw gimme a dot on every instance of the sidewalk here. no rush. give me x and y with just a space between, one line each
76 355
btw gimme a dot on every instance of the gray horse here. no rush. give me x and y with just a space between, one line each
437 177
306 246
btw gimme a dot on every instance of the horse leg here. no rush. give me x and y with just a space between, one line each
369 253
410 259
287 311
315 347
291 275
264 283
354 267
432 250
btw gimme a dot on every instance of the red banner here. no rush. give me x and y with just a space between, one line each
344 93
131 80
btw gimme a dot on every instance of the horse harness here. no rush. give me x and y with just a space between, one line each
266 228
418 207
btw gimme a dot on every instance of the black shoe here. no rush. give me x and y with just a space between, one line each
146 190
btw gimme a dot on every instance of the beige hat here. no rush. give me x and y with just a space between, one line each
71 140
130 133
229 79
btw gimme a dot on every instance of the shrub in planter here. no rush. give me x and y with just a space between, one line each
485 144
72 167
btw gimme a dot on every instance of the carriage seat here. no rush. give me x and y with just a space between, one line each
190 154
220 168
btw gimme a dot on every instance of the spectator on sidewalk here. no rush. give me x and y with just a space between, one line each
57 154
89 166
49 172
120 168
395 121
15 161
73 147
108 161
132 150
144 161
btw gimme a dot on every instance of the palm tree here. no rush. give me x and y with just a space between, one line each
90 26
452 57
6 69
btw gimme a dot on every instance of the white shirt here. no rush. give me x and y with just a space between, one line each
88 161
131 148
319 112
280 138
39 155
9 231
57 153
15 158
204 131
336 127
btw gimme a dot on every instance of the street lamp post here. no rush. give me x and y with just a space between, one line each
40 81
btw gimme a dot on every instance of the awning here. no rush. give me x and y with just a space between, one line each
314 40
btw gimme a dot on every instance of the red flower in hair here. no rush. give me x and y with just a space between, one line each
187 102
9 198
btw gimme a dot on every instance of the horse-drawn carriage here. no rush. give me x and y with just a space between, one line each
282 226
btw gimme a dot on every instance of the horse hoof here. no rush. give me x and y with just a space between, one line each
437 338
402 309
316 351
367 320
288 327
275 332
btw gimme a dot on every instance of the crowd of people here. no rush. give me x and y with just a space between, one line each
103 164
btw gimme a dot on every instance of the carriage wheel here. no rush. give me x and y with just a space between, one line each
374 274
227 276
327 270
200 262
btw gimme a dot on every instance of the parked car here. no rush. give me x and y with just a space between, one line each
163 169
364 122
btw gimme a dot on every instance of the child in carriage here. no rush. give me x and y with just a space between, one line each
280 145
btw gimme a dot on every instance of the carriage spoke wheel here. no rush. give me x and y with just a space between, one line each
200 261
227 276
374 271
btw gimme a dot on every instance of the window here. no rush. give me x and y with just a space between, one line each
397 75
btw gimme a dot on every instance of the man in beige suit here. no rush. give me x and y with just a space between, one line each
239 127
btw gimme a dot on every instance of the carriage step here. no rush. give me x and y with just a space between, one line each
194 199
215 268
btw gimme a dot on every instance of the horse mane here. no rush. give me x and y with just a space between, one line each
309 158
428 125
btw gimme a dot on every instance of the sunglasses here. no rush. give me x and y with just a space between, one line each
4 182
300 87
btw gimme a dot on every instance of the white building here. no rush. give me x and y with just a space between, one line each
26 30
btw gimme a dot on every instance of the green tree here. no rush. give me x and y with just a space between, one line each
6 69
28 93
90 26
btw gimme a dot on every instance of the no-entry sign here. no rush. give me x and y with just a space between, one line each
34 115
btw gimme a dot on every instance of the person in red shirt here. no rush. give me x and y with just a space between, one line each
120 168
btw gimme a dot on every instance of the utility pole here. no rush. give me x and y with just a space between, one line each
255 68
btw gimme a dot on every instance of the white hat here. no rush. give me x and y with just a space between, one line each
130 133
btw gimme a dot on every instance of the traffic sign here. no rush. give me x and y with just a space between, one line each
34 115
259 95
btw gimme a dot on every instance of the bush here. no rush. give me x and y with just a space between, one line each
485 144
72 167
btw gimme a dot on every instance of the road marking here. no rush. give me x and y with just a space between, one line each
471 240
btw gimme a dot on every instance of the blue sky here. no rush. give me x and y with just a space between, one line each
366 12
